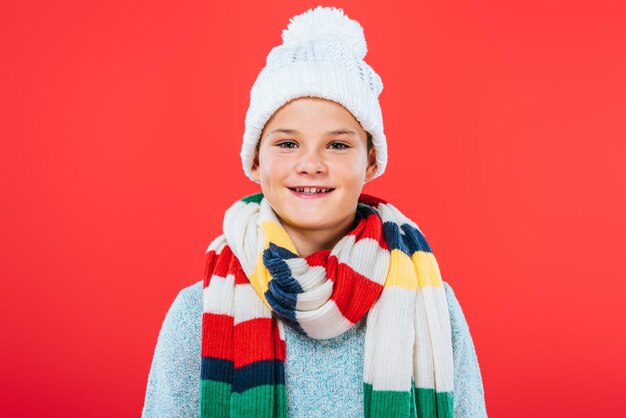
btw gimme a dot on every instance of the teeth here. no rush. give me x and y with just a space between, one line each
310 190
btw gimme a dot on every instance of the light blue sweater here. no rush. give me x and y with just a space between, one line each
324 378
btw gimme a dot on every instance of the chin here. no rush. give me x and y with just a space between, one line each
307 223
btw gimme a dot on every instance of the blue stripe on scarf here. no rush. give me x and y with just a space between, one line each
411 241
286 314
416 241
283 289
264 372
217 369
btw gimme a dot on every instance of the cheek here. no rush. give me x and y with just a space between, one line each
273 170
352 173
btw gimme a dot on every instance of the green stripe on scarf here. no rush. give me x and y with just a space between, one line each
423 403
245 404
265 401
219 394
386 403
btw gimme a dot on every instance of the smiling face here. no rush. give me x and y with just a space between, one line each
313 143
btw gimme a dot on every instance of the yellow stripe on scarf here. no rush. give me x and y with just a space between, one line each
275 233
428 274
401 271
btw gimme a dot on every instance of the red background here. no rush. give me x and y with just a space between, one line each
121 129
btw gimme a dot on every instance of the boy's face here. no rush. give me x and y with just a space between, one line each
311 155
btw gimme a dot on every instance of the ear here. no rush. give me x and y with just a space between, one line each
255 167
372 165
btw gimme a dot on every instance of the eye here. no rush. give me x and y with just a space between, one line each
286 144
339 145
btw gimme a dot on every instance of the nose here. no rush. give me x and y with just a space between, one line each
311 162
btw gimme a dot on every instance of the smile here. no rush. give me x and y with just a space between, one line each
311 192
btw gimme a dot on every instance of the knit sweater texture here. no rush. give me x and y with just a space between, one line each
323 377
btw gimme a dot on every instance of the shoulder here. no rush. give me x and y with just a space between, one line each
190 296
182 324
453 303
187 302
458 323
449 291
173 381
183 321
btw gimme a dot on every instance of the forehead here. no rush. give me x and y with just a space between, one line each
303 107
288 131
312 114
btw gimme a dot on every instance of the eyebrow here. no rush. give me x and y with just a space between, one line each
334 132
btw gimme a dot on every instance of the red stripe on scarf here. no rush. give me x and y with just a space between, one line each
370 227
353 293
219 343
255 340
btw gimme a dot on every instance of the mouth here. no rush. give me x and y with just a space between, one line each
311 192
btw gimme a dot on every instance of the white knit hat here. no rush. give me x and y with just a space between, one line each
321 56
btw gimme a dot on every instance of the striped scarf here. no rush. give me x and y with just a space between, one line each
255 283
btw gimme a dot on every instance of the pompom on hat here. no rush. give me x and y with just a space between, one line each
321 56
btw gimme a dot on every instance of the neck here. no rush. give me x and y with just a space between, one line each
309 241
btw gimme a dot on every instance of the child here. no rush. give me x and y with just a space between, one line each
318 300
